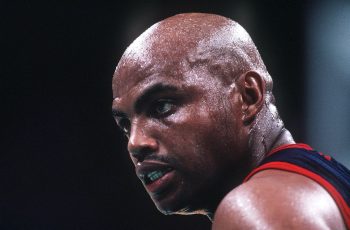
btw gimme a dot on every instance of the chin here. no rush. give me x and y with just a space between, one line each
171 207
182 200
181 211
175 205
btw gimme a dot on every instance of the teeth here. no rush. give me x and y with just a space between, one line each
155 175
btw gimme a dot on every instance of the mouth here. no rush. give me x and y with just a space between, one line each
152 176
155 176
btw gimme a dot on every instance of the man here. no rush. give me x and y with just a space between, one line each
195 101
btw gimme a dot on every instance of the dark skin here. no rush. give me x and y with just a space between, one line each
194 98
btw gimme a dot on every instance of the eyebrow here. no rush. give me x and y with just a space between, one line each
145 96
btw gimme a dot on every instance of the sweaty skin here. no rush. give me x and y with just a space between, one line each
194 98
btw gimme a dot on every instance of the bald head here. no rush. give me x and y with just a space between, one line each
196 38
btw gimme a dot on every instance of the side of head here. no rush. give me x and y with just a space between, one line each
188 93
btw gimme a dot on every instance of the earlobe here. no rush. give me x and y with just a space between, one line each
253 94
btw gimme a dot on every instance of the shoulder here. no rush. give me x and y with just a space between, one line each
275 199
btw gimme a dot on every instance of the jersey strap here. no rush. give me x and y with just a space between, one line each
303 160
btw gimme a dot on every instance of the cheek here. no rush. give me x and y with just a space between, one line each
195 135
189 125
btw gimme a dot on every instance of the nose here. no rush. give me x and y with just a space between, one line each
141 144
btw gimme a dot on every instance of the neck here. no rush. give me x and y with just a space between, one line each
267 133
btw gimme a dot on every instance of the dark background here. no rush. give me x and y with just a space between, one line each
63 164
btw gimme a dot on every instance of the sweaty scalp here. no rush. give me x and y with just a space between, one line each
197 38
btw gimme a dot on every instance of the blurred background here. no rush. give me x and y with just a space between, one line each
63 163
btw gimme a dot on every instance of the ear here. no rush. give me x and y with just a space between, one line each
253 93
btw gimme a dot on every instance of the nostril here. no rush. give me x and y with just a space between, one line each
141 153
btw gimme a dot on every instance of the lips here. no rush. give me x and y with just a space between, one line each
154 175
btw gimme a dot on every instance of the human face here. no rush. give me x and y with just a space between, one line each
184 131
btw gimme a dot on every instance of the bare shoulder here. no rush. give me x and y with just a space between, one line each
275 199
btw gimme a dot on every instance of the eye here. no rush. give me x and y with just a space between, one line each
124 125
162 107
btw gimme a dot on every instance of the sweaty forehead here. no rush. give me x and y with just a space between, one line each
134 75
